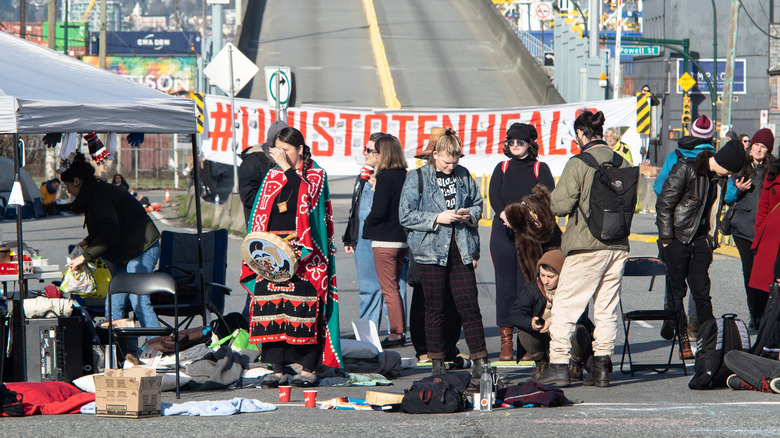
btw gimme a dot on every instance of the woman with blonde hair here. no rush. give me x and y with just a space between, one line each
388 239
442 217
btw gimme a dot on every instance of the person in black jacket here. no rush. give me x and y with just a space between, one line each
388 237
688 211
511 180
370 294
253 167
531 314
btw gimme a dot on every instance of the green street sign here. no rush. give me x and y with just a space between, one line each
640 50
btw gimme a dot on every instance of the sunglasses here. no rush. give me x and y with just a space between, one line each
509 142
371 151
745 141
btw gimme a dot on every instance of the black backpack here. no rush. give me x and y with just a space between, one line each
768 337
441 394
10 402
717 337
612 197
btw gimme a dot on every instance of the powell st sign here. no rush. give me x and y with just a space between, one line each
640 50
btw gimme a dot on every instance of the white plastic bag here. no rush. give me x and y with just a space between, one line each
79 281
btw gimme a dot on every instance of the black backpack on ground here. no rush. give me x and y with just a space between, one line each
768 337
442 394
717 337
10 402
612 197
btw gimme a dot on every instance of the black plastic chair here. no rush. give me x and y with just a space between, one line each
648 267
144 284
179 258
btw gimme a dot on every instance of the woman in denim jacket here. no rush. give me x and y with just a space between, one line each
444 241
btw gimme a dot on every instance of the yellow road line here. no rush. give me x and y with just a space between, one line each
383 67
727 250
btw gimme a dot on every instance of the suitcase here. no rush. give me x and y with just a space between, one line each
54 349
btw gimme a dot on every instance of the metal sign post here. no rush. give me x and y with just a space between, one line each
278 88
239 72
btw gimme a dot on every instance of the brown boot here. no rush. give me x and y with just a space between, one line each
685 347
539 367
506 344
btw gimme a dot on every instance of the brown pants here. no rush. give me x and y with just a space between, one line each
388 263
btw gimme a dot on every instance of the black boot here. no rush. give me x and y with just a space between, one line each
556 374
540 366
476 374
575 370
438 367
599 372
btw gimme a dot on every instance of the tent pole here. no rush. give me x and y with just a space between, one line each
18 325
199 226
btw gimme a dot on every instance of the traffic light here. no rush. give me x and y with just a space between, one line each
686 111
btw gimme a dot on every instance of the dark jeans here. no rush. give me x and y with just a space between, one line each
752 369
689 263
508 274
417 325
756 299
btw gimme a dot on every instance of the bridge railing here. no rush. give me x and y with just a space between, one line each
534 45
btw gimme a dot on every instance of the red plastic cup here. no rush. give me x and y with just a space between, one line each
366 171
284 393
310 398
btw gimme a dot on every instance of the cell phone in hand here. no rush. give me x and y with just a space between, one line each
463 211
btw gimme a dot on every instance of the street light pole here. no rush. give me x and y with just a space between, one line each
715 60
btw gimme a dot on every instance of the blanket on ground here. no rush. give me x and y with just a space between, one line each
206 408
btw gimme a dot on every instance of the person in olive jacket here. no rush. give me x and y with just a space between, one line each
119 230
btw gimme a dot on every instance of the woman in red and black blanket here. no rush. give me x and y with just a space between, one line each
296 321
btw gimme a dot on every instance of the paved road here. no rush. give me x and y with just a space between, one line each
440 54
648 404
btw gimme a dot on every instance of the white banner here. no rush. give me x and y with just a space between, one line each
337 135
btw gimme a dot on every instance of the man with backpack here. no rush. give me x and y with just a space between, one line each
593 267
687 215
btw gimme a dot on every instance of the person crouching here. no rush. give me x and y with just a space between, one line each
532 312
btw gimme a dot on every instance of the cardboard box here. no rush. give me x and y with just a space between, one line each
12 268
383 398
130 393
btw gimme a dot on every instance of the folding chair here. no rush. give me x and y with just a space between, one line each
647 267
144 284
179 259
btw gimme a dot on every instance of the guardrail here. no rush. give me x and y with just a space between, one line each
535 46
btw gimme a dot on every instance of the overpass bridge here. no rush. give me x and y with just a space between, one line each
441 53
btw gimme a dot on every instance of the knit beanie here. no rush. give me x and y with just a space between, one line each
273 130
522 131
731 156
765 137
703 127
553 259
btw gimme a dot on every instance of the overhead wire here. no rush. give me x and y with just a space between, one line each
742 5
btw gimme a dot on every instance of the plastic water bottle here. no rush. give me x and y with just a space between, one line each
486 389
216 199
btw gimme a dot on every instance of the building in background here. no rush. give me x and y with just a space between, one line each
752 100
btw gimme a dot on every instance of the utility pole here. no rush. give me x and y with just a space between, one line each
22 19
102 43
594 17
728 89
51 23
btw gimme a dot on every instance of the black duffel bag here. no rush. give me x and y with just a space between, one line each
442 394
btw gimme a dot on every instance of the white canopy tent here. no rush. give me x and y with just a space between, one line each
42 91
45 91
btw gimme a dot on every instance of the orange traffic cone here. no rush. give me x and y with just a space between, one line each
167 197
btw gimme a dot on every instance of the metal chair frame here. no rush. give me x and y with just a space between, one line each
648 267
144 284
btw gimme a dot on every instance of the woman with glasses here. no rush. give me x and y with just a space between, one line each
370 294
511 180
388 239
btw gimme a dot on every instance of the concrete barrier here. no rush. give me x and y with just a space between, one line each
522 61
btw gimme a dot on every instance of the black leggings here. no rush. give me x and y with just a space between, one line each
756 299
